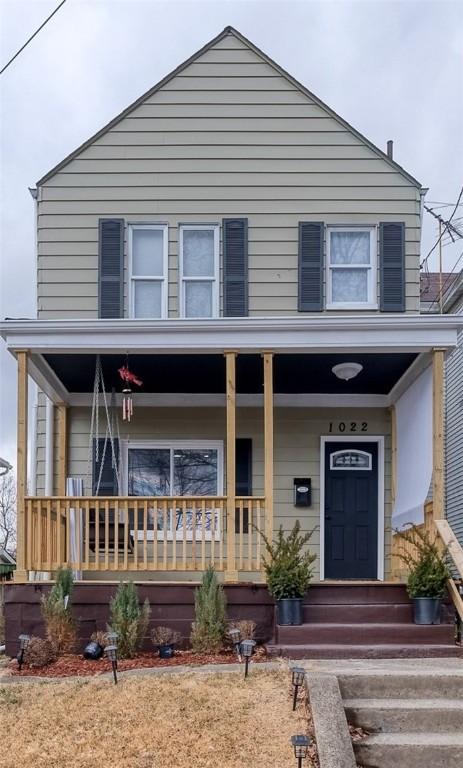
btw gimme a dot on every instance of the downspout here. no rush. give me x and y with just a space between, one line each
423 192
33 442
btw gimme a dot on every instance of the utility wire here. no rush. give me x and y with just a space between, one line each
444 230
448 280
31 37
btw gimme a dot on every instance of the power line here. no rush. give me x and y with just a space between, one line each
31 37
445 229
448 280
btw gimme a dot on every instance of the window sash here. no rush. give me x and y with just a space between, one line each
212 279
162 279
370 269
173 513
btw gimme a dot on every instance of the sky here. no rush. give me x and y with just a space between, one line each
394 70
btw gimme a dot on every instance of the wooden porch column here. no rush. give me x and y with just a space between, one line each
438 484
268 443
231 573
62 448
21 468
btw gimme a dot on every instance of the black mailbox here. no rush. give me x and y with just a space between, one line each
302 491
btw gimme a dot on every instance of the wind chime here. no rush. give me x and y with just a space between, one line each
128 378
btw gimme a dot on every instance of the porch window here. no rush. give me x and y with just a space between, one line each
199 270
179 468
148 256
351 268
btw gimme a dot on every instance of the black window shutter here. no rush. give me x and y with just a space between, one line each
392 266
310 291
111 268
235 267
243 481
108 483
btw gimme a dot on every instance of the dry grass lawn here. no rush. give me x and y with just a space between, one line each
190 720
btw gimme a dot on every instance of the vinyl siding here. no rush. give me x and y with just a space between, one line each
297 449
454 438
228 136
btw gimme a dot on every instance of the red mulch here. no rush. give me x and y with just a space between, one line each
72 664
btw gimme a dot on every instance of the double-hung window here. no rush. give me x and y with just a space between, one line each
148 264
351 279
174 469
199 270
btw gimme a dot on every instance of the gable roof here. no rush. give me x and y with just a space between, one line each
230 31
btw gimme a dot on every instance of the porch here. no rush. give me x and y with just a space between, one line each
251 389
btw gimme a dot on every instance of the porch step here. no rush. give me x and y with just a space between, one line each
411 750
371 613
364 634
356 593
399 715
384 651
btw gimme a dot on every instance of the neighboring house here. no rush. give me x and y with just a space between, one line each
452 303
7 565
254 260
5 467
432 285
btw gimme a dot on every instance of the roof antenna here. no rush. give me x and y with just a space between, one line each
390 149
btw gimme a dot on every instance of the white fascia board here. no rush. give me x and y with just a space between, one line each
343 333
193 400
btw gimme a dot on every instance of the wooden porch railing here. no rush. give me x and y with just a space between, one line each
142 533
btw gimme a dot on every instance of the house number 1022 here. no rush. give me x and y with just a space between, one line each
349 426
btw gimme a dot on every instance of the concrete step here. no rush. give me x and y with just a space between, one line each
364 634
406 715
410 750
378 651
413 685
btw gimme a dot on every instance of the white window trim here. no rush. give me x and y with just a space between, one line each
173 445
214 280
379 439
372 302
163 279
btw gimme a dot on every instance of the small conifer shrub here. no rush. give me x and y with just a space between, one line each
210 625
57 613
128 619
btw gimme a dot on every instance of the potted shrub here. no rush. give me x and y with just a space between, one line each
428 573
165 639
289 569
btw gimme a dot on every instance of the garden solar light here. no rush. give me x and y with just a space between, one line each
247 648
298 675
111 653
301 748
23 643
235 636
112 638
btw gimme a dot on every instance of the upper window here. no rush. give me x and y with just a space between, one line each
199 270
351 268
148 255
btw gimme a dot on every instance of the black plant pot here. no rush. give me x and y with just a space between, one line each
93 651
289 611
166 651
427 610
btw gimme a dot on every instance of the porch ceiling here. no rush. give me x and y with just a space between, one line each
205 373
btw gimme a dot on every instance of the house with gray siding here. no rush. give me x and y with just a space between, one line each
228 340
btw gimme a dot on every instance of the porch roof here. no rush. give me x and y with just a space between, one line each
391 348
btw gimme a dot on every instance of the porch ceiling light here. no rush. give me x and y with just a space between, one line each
347 371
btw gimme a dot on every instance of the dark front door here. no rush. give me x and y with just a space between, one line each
351 510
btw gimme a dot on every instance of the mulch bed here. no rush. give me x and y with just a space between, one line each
75 665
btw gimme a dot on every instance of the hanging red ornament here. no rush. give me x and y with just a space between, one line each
128 378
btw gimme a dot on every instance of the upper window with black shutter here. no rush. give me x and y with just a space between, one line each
111 268
351 268
392 263
148 265
235 267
